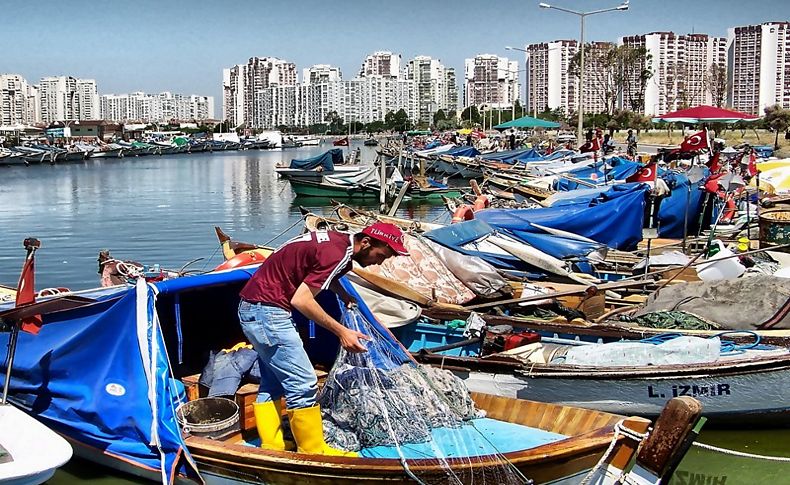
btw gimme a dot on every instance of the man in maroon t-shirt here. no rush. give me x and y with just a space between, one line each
289 279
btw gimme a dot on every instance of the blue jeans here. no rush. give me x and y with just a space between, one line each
285 368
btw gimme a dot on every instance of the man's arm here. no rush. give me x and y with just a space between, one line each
304 301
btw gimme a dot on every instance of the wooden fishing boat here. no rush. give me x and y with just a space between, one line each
750 388
303 187
141 319
361 217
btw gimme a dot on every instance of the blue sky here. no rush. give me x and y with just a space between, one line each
182 46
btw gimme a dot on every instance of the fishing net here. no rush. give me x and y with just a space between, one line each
384 405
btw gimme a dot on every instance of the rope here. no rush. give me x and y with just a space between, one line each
619 430
742 454
299 221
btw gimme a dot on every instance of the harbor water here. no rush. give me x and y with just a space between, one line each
163 209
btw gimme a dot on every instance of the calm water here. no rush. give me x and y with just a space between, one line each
163 210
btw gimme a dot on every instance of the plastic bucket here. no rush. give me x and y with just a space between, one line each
208 416
717 268
775 228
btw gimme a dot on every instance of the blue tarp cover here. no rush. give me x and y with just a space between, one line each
455 236
672 211
615 168
613 217
327 160
463 151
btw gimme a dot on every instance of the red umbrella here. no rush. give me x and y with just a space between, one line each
705 114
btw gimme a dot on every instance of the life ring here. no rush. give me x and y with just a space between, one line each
463 213
481 202
246 258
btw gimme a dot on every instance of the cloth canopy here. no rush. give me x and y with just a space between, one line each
704 114
527 122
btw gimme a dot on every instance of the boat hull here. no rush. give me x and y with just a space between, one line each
456 169
307 188
753 394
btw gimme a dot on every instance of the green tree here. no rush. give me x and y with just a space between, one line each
335 122
375 127
634 72
397 120
439 116
471 113
600 72
778 119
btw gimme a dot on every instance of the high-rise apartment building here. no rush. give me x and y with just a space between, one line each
550 84
245 84
67 98
17 101
320 94
156 108
759 58
382 63
435 86
490 80
680 65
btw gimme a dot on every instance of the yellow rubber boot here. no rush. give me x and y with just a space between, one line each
289 444
308 432
270 429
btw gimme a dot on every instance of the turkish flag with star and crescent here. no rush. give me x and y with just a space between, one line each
694 142
648 174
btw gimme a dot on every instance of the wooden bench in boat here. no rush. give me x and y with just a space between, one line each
244 397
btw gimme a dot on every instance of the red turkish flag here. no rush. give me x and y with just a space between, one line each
343 142
697 141
713 164
26 293
752 164
648 174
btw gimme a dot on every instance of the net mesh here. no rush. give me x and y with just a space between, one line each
381 398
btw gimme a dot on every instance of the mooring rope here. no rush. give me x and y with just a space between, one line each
743 454
619 429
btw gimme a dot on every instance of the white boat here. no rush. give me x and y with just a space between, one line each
274 137
29 451
306 140
750 387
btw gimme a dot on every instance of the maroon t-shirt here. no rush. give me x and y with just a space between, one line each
315 258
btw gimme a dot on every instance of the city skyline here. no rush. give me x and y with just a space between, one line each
154 47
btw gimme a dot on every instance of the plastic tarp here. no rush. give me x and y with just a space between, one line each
613 169
326 160
672 211
455 236
508 156
367 177
613 217
463 151
435 151
99 375
474 272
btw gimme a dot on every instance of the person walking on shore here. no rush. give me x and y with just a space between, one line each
290 279
631 143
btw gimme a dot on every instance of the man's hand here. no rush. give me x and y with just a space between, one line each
350 340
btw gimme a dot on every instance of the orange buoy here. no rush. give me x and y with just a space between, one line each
482 202
245 258
463 213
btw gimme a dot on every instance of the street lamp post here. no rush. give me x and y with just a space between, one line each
582 15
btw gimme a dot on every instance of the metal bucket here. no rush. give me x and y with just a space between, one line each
775 227
210 417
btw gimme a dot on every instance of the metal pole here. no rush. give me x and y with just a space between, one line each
686 217
580 128
9 361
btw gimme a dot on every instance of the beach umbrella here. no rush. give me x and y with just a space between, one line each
774 181
704 114
527 122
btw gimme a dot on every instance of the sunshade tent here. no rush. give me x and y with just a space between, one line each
773 181
527 122
704 114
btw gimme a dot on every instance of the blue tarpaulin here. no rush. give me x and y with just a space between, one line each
463 151
507 156
326 160
672 211
88 375
455 236
615 168
613 217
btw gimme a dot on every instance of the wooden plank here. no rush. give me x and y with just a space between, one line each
676 421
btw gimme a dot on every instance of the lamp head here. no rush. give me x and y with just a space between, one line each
544 5
624 6
508 48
